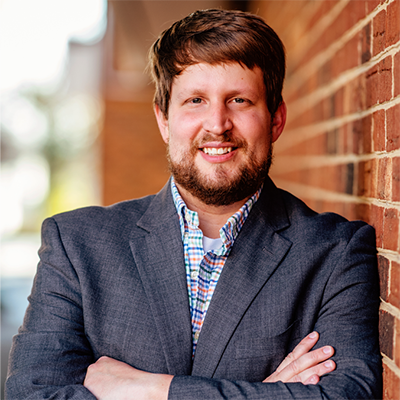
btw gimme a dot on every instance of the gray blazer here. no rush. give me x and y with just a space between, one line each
111 281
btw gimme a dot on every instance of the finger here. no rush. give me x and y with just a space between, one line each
292 372
312 375
314 362
302 348
312 380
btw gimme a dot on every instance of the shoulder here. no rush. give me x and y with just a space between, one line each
100 220
327 226
124 208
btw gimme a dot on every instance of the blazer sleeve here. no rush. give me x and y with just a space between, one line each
50 353
347 320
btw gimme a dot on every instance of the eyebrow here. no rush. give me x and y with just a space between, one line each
233 93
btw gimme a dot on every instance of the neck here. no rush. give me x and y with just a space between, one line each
211 218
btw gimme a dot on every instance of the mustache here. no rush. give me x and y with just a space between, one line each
223 138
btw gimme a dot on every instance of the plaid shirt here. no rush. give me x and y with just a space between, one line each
203 269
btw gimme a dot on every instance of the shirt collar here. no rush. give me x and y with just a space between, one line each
228 232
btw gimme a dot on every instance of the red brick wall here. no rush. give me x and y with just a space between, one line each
341 148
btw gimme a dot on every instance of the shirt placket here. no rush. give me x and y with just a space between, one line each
194 246
203 270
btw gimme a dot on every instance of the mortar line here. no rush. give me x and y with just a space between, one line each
390 309
315 193
320 160
298 135
309 39
306 102
309 69
393 367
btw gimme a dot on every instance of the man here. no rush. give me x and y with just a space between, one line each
205 290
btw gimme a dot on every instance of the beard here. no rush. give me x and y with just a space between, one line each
221 190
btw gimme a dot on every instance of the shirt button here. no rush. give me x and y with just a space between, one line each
193 275
196 335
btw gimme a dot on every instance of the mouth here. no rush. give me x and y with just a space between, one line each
216 151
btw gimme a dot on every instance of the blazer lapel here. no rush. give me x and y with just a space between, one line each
158 252
246 271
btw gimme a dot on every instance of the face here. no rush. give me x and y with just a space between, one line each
219 131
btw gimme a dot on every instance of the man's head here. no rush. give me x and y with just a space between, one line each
218 37
218 103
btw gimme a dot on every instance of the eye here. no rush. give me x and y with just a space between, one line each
197 100
238 100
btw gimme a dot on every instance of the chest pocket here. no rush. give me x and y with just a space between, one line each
272 348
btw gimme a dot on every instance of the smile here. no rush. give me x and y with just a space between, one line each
216 151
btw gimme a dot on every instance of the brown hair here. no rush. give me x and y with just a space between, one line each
218 36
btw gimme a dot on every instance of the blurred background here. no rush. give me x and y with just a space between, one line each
51 117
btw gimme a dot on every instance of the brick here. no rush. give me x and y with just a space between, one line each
372 82
391 384
304 119
341 140
367 172
346 57
362 132
332 138
362 212
391 229
365 44
350 15
372 4
397 343
325 73
392 23
347 138
393 128
356 95
394 297
379 82
396 179
348 178
314 146
376 220
379 33
325 177
384 184
379 130
383 268
328 107
386 333
385 79
396 71
338 103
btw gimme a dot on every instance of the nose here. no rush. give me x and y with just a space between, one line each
217 119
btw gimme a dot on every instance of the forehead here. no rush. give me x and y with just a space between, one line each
218 77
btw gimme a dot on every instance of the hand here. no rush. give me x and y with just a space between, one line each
109 379
303 365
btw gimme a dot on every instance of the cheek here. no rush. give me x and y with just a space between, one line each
257 133
179 146
187 125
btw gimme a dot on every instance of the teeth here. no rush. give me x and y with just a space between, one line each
213 151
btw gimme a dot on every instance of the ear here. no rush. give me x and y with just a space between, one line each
278 122
162 123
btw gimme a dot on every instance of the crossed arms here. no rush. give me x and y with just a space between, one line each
109 379
63 330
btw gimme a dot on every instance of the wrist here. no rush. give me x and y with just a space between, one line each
162 387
